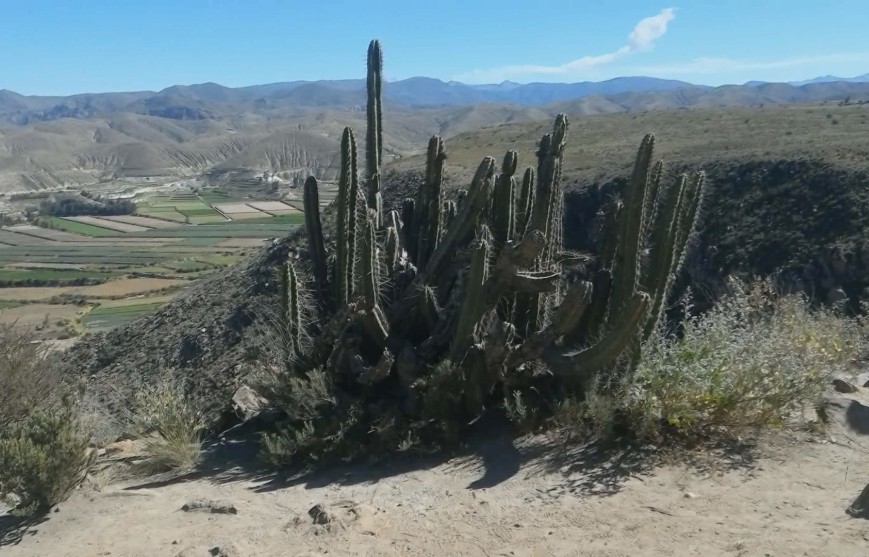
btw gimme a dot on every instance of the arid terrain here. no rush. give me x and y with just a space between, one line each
252 362
533 497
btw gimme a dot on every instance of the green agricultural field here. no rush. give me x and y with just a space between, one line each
292 219
105 318
80 228
49 275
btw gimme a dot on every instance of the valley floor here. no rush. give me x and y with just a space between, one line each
531 499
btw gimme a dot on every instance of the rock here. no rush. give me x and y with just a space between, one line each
320 514
689 495
843 386
194 551
209 506
246 403
836 296
119 447
860 507
866 384
227 550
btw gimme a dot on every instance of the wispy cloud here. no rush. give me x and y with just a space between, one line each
642 38
722 65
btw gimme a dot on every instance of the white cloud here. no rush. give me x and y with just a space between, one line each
642 38
718 65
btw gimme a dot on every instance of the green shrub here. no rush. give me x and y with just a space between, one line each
172 427
27 378
756 360
44 457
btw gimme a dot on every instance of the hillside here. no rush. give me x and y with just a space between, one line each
766 167
183 131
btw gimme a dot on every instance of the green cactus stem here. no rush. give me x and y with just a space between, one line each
345 240
504 202
431 202
474 299
316 243
374 137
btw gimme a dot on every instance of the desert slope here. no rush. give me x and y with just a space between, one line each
531 497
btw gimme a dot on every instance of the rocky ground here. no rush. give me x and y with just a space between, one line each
532 497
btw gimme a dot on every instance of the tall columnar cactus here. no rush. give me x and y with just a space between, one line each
291 313
316 243
348 201
374 137
448 299
504 202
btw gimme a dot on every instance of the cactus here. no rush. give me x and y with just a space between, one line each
291 313
316 244
431 202
504 202
374 137
347 200
447 300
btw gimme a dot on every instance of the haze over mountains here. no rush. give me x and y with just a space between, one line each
293 127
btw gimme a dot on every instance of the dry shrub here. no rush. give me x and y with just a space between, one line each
172 427
756 360
28 380
44 457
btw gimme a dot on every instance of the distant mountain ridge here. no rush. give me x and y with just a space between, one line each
211 100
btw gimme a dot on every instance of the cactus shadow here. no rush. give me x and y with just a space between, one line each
491 451
857 418
13 529
589 467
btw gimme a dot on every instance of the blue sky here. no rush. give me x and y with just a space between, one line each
75 46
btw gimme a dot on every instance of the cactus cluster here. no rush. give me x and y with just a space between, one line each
468 299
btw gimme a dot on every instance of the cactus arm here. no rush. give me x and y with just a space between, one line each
374 137
316 243
431 202
525 203
626 271
504 202
345 241
538 282
465 220
565 319
474 300
581 363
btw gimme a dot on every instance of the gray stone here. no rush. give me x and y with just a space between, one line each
843 386
209 506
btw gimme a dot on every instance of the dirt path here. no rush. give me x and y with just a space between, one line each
526 501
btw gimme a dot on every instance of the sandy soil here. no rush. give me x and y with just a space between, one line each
505 498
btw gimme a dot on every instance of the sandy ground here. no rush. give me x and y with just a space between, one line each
503 499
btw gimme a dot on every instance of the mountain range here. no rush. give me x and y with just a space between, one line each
293 127
211 100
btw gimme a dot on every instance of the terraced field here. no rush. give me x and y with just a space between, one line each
93 273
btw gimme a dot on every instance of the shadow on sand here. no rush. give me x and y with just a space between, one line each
14 529
494 451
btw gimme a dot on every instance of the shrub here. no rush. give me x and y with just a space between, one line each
172 427
756 360
27 378
44 457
